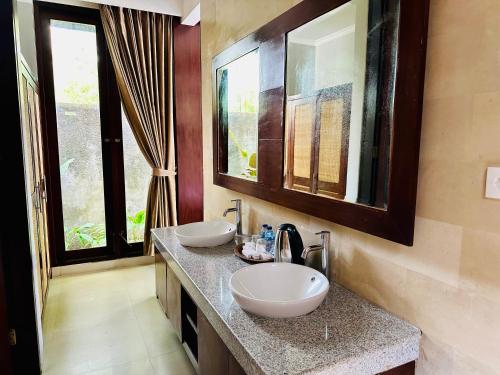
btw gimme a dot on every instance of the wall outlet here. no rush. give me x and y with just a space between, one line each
493 183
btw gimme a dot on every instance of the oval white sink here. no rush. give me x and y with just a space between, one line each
205 233
278 290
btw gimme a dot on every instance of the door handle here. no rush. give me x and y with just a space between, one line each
121 234
43 189
36 197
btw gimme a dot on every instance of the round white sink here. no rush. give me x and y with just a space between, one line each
278 290
205 233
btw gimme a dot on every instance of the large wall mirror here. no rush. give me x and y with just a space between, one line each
320 111
238 109
335 141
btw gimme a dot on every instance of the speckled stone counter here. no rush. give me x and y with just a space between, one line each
345 335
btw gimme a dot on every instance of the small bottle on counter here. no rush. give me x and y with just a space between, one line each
269 237
263 230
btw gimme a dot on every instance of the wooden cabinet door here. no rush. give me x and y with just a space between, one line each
35 179
161 280
42 183
317 162
234 367
212 352
31 182
38 176
174 301
214 358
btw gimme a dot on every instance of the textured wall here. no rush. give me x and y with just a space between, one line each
27 34
448 283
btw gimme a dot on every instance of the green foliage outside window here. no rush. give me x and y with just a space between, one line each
135 226
85 236
91 235
251 159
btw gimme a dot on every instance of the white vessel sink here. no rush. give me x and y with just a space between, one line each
278 290
205 233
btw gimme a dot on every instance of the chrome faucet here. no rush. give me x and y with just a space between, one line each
324 247
236 209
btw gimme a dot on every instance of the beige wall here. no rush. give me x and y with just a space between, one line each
448 283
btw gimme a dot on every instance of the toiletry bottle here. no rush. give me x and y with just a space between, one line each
269 236
263 230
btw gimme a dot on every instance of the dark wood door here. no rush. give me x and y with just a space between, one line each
16 261
5 355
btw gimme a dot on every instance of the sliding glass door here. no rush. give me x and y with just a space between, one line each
98 178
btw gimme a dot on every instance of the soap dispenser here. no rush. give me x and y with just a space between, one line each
288 245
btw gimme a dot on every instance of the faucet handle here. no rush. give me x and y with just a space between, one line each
325 237
323 232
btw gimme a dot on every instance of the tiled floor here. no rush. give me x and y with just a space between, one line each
110 323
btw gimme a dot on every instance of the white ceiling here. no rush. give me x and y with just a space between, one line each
188 10
173 7
336 23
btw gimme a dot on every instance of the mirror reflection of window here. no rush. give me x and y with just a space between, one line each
238 110
333 76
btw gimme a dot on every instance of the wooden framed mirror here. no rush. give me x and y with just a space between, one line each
320 111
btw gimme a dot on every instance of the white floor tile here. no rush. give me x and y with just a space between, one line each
108 323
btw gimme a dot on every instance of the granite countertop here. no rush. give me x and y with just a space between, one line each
345 335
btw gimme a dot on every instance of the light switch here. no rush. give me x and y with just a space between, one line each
493 183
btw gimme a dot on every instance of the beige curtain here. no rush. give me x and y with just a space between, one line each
140 44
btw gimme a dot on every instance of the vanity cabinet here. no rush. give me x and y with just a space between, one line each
204 347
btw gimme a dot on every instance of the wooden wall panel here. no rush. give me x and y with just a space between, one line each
187 73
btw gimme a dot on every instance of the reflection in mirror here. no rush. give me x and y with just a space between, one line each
238 106
337 134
